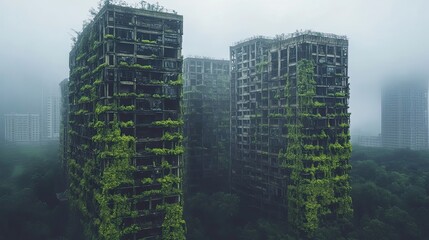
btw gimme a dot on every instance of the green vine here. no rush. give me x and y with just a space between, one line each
118 150
315 186
172 136
173 227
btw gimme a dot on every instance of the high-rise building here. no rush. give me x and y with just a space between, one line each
125 125
22 128
51 118
404 115
290 126
206 116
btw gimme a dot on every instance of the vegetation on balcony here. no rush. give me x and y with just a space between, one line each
178 150
92 58
148 41
103 108
84 99
80 112
97 82
127 108
168 123
86 87
126 124
99 68
318 104
109 37
135 65
143 67
177 82
172 136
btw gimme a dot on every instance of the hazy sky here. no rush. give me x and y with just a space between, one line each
387 39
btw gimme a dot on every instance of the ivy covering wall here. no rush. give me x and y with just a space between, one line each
317 153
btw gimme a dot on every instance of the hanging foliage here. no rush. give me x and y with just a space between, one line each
316 157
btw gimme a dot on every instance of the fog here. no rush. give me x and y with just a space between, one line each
387 38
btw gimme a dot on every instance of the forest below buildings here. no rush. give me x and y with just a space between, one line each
30 177
390 192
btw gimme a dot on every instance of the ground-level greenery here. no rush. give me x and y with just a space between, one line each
390 191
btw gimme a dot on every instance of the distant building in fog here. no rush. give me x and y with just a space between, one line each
404 115
206 116
23 128
366 141
51 118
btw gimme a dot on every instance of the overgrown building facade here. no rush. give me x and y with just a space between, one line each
125 124
290 142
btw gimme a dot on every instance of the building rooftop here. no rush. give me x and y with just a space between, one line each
257 37
143 11
311 33
297 33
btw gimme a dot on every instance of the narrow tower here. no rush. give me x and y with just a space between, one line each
206 115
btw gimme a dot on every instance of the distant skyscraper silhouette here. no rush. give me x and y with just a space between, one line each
404 115
51 118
